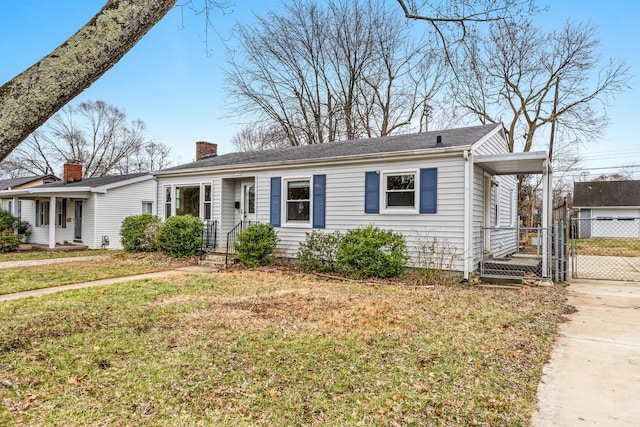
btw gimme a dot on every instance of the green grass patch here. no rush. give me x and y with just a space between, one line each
253 348
36 255
110 265
608 246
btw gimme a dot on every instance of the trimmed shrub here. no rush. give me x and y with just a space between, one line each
9 241
132 231
255 243
180 236
147 242
318 251
371 252
23 228
7 221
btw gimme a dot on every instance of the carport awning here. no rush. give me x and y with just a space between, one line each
532 162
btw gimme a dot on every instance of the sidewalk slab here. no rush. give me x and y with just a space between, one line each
593 375
47 291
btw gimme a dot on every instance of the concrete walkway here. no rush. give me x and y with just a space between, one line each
593 376
103 282
46 261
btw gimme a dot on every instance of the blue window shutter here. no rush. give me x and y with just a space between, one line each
319 199
428 190
276 188
371 192
37 213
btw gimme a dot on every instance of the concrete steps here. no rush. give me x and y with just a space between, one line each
214 260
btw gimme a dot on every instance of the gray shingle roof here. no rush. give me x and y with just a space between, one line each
606 193
389 144
94 182
6 184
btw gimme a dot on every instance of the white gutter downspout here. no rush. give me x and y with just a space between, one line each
95 222
468 214
52 222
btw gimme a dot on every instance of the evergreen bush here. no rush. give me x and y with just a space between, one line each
132 231
9 241
255 243
180 236
318 251
371 252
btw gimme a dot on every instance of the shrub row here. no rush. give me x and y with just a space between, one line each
359 253
179 236
12 231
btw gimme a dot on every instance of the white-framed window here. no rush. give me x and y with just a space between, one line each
61 213
42 213
297 200
147 207
206 201
399 190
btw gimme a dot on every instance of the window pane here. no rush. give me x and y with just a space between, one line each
298 211
188 201
207 192
250 201
401 198
298 190
401 182
167 194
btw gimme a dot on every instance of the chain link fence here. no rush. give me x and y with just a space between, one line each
605 248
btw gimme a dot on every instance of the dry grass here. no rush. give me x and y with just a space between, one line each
608 247
275 348
109 265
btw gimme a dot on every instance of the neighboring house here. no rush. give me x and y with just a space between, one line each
446 185
15 206
607 208
84 211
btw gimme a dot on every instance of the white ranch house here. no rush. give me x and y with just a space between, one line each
447 185
81 211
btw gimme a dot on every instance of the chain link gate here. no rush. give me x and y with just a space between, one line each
605 248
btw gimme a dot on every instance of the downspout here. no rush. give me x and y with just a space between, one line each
95 221
468 215
52 222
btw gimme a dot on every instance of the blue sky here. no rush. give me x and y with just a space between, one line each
170 82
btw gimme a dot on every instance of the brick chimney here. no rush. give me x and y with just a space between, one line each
205 149
72 171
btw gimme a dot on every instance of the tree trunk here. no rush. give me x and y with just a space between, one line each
30 98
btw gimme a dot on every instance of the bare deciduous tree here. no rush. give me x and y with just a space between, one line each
97 135
511 76
256 138
340 71
30 98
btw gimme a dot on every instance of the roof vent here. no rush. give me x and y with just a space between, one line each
439 141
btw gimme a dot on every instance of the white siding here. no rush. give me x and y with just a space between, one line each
345 204
503 238
607 222
112 208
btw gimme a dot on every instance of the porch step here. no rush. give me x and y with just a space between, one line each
213 259
524 265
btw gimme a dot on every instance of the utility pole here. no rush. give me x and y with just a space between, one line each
553 120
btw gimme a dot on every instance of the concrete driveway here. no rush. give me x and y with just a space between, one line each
593 376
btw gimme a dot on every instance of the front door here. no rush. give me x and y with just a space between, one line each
248 207
77 234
